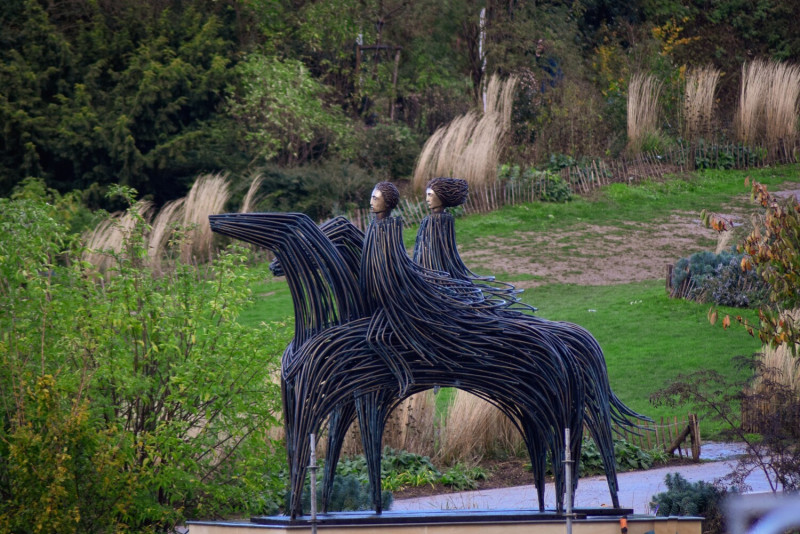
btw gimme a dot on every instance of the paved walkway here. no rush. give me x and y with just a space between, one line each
635 488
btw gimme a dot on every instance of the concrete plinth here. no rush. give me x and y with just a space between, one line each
587 521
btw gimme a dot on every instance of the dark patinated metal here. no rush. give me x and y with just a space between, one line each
372 327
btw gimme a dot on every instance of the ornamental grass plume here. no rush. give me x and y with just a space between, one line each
698 103
410 427
752 96
643 93
475 428
109 235
207 197
780 105
470 146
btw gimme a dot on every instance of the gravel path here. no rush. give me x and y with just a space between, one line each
636 488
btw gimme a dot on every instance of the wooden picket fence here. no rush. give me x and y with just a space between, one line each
583 179
681 435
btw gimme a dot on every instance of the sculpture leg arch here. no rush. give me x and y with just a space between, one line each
371 421
339 422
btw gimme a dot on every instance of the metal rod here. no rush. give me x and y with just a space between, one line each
568 478
313 469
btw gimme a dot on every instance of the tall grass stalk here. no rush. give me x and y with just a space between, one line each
698 104
643 93
109 235
410 427
161 231
470 146
780 114
781 366
752 95
251 199
208 196
474 428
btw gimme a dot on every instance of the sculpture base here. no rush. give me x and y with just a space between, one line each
586 521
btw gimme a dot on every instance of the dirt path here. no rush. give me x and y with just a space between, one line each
601 255
595 255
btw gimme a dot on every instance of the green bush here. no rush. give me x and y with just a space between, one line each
133 400
547 185
718 278
349 493
684 498
401 469
320 191
461 477
629 457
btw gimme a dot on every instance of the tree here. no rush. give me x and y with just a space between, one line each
99 93
282 115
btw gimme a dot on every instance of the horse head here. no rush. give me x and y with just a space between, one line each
324 287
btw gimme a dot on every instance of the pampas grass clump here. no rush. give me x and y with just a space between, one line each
207 196
110 234
470 146
768 101
698 103
643 93
780 112
473 429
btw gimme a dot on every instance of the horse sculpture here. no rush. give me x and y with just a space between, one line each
328 369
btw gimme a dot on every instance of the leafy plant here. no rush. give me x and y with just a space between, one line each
631 457
773 251
684 498
133 400
401 469
349 493
461 477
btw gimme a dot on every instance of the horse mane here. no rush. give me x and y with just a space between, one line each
324 287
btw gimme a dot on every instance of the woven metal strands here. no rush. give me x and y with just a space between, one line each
365 344
435 248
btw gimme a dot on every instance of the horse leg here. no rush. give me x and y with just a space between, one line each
371 421
340 420
538 457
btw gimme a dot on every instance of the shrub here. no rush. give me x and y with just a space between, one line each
400 469
684 498
319 190
389 150
461 477
629 457
133 400
718 278
548 185
349 493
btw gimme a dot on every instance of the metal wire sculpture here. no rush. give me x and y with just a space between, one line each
372 327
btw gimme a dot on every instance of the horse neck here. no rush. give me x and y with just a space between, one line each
324 291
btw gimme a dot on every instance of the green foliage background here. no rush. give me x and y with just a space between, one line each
151 93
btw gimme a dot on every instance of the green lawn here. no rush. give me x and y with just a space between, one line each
648 338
